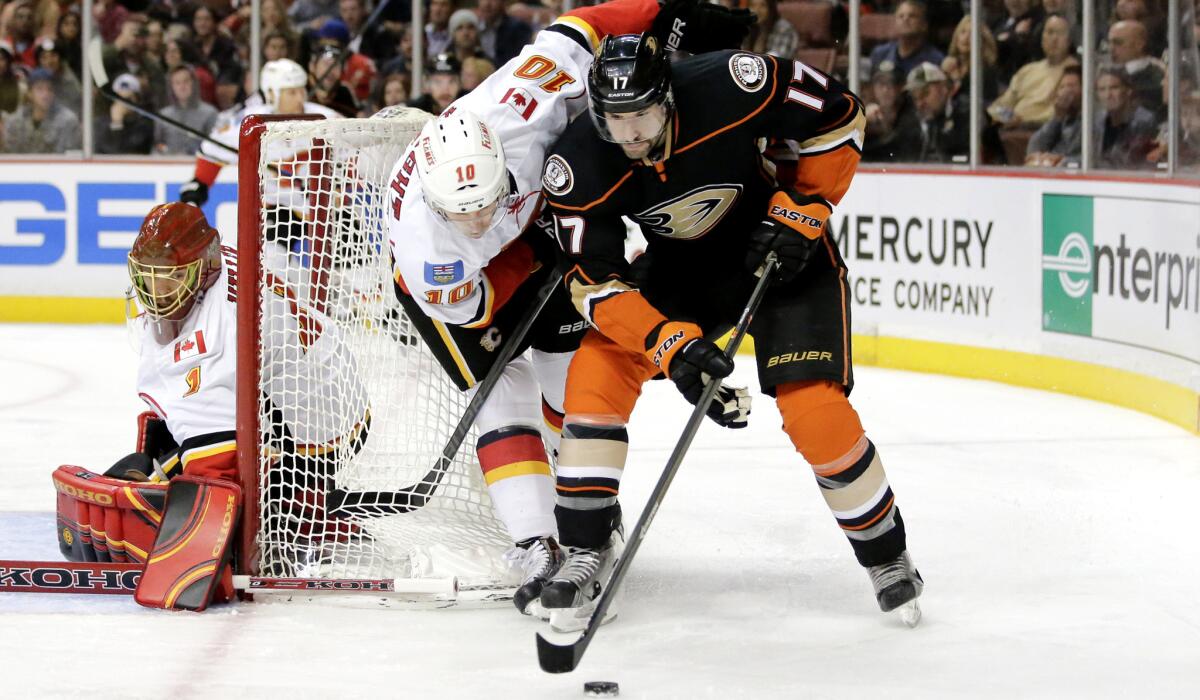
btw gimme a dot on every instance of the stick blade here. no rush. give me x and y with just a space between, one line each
558 658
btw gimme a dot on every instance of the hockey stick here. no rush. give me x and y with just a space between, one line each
95 59
561 658
109 578
341 503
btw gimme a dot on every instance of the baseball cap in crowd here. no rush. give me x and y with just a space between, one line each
39 75
127 82
924 74
461 17
334 30
445 63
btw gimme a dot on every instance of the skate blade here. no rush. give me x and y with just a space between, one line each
910 613
568 620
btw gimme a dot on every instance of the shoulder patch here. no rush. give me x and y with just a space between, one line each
557 177
443 273
748 70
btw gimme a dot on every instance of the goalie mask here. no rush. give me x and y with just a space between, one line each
463 174
175 257
629 88
280 75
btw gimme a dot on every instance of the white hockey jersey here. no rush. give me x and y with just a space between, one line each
227 129
528 103
191 381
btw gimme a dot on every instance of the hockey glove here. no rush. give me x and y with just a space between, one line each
793 229
697 26
690 360
194 192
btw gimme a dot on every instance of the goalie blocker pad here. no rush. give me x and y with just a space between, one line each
192 549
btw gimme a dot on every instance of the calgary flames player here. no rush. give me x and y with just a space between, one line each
284 85
184 287
469 257
648 153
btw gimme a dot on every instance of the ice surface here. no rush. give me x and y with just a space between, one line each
1056 537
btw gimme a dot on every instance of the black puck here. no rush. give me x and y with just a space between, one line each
601 689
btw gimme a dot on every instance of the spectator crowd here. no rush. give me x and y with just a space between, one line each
918 91
189 60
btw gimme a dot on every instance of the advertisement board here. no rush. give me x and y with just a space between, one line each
1086 270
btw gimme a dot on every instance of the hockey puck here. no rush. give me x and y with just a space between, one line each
601 689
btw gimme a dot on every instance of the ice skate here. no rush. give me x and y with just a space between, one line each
570 596
539 558
897 585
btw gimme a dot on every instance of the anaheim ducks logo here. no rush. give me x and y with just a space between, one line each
693 214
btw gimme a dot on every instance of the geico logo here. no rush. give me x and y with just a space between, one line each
226 523
799 357
572 327
102 499
75 217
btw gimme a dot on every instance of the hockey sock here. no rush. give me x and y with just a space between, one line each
826 429
519 480
590 462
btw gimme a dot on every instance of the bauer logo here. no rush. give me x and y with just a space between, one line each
443 273
1067 235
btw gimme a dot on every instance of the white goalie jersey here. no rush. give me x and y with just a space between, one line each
527 103
191 381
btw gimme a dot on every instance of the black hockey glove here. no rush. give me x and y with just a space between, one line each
194 192
697 26
793 229
690 360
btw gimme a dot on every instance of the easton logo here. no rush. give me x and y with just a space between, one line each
665 346
781 212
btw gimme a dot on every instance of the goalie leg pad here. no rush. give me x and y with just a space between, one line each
826 429
193 544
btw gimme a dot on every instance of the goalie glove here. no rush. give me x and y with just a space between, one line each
194 192
793 229
697 26
690 361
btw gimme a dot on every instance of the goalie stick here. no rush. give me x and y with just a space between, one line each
561 658
95 59
341 503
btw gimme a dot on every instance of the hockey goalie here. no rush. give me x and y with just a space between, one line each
173 504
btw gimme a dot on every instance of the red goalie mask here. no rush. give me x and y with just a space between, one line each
176 256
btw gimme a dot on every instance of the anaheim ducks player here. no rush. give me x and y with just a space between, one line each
284 85
184 282
469 258
656 129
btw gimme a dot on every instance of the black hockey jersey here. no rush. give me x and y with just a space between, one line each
711 187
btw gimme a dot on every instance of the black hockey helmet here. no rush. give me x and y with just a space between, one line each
631 73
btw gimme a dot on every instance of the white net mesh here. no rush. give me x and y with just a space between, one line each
332 504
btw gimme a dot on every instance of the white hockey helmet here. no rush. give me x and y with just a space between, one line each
463 173
279 75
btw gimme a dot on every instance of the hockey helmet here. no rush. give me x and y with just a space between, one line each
277 76
629 88
174 258
463 173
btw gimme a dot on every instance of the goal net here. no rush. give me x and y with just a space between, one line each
343 411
